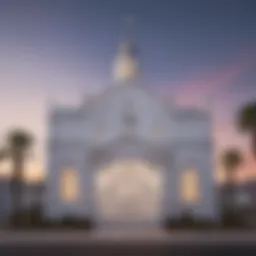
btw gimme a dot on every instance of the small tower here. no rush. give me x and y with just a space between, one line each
125 63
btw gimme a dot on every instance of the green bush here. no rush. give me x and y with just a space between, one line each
70 222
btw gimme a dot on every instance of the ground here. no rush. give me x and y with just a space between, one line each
127 236
126 242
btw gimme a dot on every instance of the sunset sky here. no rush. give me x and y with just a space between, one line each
199 52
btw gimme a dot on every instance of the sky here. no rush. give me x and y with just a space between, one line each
202 52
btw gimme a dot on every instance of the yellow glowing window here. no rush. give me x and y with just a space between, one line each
69 185
190 187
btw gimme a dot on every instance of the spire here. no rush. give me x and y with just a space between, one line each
125 65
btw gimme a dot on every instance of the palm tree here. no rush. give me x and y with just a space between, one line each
247 121
231 159
18 144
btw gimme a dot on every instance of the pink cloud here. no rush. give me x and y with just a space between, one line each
197 90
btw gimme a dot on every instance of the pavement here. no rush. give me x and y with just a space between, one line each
116 236
126 242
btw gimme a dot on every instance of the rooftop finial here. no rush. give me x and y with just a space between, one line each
126 66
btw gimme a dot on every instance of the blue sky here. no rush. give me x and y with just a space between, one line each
181 37
60 48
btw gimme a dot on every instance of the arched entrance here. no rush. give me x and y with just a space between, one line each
129 191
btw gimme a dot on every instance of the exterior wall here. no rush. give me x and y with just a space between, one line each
67 155
197 155
170 205
192 146
74 132
66 149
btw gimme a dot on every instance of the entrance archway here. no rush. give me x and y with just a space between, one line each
129 190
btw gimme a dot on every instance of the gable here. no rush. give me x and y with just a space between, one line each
120 107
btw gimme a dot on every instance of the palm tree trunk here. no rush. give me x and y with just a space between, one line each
17 184
231 189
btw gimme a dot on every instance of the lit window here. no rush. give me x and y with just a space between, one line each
69 185
190 187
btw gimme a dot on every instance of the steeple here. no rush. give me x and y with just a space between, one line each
125 64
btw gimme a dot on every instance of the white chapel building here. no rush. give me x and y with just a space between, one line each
125 156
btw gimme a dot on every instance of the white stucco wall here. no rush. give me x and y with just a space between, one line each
73 131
